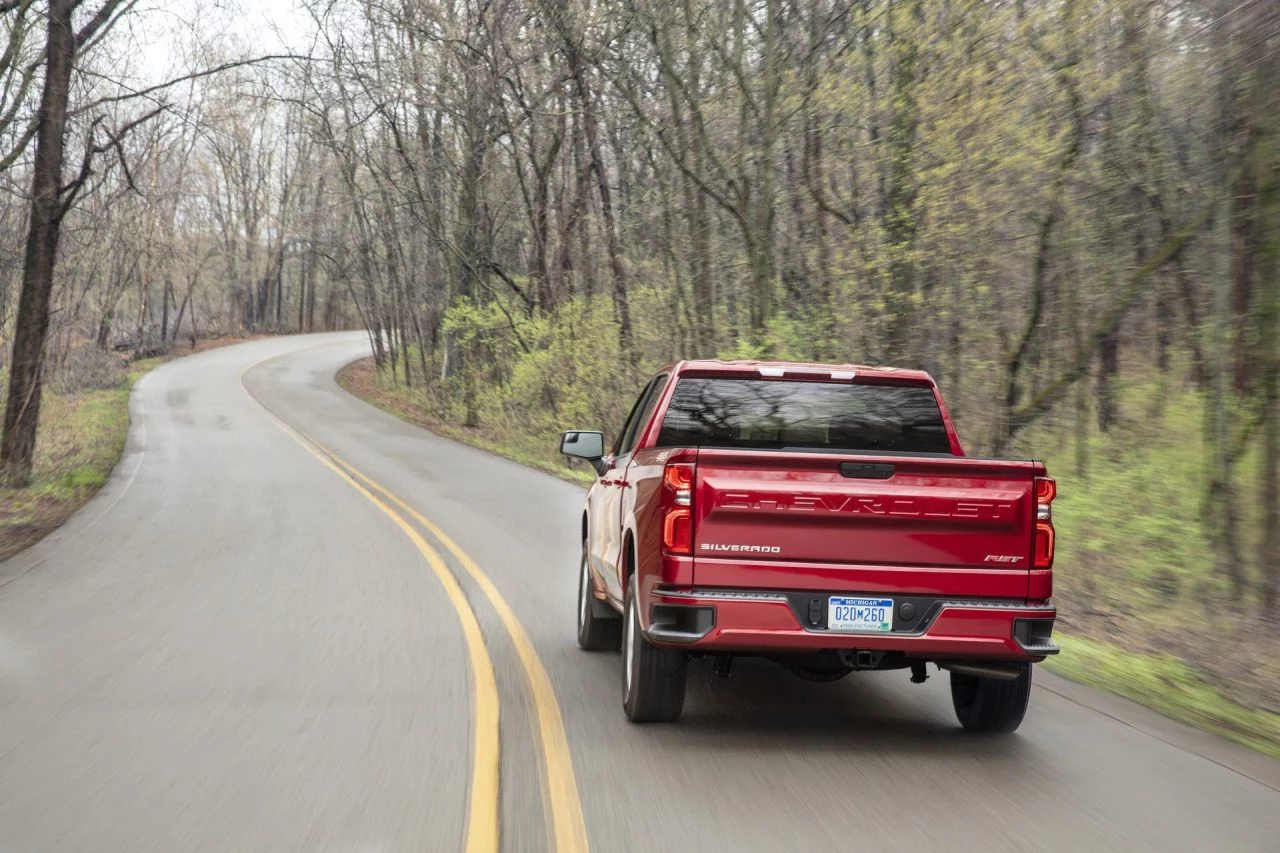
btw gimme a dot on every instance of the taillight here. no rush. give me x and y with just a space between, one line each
677 522
1046 491
678 477
677 532
1044 545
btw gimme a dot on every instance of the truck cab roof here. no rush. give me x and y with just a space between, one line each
798 370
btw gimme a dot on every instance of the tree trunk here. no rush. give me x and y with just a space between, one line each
1108 370
22 413
1269 552
304 274
177 323
702 283
617 275
191 297
1222 513
1164 327
164 310
1269 369
103 339
1187 298
900 217
1244 250
825 346
279 289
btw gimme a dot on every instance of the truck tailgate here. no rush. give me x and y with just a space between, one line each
771 508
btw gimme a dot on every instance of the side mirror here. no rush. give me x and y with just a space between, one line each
577 444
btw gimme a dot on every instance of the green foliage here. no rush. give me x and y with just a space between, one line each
1136 572
84 477
81 437
568 379
1132 527
533 377
785 339
471 323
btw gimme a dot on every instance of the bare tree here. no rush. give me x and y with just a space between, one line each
51 197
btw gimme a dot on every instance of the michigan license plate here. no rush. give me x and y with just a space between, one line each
867 615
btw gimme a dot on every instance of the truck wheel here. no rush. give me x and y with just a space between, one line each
990 704
652 678
599 627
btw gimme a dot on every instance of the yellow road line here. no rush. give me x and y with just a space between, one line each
483 818
568 825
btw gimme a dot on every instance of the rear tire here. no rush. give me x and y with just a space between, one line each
599 626
990 705
653 679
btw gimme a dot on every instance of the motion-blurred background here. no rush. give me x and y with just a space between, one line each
1068 212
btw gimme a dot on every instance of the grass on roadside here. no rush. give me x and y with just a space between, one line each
1167 685
81 438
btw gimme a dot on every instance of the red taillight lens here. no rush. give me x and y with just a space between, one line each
1046 491
678 476
677 501
1044 545
677 532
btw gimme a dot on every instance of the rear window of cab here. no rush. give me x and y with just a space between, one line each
777 414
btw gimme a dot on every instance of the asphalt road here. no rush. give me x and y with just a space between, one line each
234 647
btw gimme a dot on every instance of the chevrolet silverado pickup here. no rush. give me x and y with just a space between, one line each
825 517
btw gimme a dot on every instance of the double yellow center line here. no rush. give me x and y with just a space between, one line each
568 832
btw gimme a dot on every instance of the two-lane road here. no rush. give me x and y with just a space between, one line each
235 648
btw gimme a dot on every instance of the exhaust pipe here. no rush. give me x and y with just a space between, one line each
985 670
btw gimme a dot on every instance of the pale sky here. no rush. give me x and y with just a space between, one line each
163 31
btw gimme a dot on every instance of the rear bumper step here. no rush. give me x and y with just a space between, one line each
924 627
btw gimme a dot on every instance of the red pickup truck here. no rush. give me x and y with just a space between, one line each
822 516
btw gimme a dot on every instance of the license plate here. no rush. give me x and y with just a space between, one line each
867 615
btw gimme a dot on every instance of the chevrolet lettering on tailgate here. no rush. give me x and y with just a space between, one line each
869 505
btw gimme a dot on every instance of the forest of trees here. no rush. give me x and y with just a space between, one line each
532 203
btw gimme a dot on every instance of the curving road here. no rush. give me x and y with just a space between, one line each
244 643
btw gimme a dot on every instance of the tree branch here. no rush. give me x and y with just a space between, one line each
92 149
1169 250
502 274
106 12
72 189
185 78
